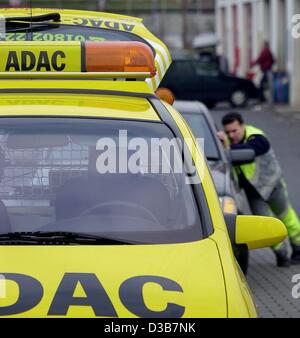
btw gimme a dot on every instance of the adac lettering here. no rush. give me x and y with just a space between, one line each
41 61
98 23
31 293
27 285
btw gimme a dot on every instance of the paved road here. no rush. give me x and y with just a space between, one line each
272 286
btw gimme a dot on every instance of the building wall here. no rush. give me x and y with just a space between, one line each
171 29
257 21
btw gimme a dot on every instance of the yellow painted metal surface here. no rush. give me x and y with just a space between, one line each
74 105
239 299
40 56
259 231
130 87
110 99
192 273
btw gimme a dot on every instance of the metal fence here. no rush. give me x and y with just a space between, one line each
37 173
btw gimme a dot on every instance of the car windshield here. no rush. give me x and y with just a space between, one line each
201 130
68 175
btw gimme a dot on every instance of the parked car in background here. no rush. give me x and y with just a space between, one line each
232 198
189 78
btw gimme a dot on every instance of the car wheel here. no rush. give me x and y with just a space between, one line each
242 256
239 98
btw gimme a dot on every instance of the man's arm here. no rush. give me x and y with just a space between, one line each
260 58
258 143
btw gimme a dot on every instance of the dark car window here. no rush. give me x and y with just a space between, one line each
201 129
181 69
205 68
50 181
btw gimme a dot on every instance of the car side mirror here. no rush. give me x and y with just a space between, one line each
255 231
241 156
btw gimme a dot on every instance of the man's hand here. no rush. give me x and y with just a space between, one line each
223 138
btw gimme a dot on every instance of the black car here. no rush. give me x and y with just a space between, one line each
232 198
193 79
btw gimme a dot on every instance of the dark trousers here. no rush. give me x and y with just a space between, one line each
264 84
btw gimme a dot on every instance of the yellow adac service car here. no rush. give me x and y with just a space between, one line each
107 205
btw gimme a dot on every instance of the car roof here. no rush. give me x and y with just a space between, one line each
197 107
191 107
108 21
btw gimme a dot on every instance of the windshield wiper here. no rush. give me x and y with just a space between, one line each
13 27
58 238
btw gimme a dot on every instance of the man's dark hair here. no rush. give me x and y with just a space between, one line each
232 117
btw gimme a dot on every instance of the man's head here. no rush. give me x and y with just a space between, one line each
266 44
234 127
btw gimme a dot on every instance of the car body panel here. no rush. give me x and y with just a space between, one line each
239 296
233 199
134 108
194 267
131 88
58 103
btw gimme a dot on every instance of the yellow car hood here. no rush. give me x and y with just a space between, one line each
174 280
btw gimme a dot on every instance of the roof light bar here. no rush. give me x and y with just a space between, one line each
118 59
